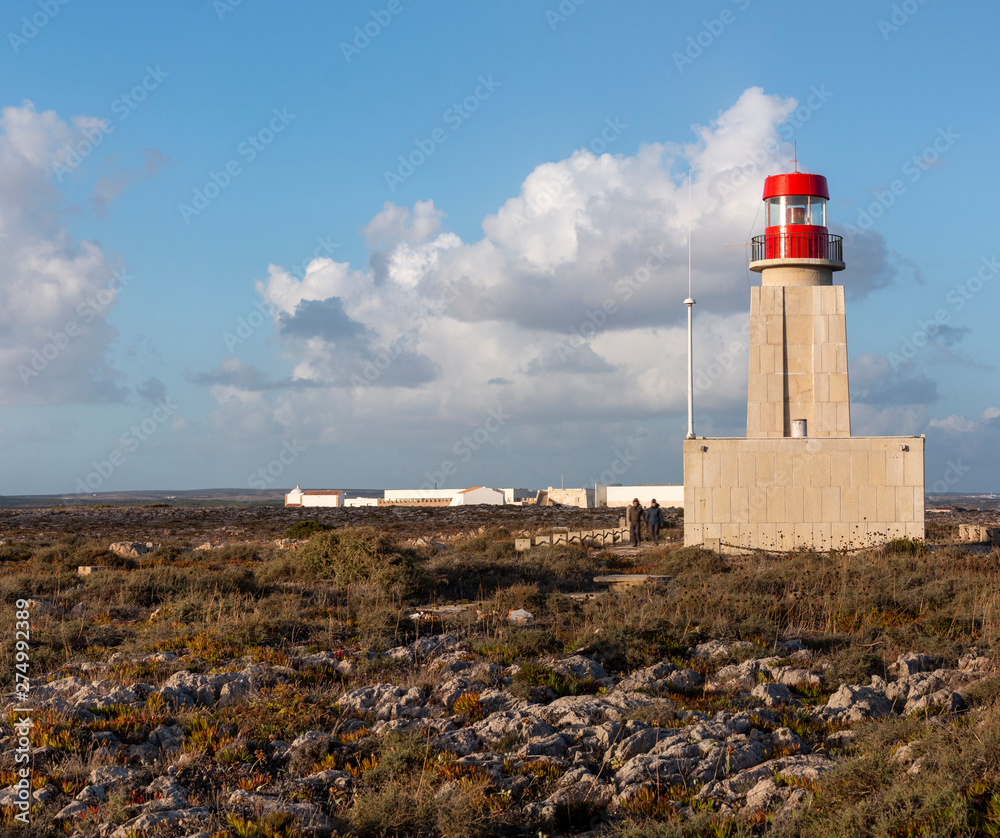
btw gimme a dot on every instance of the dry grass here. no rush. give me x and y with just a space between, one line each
351 591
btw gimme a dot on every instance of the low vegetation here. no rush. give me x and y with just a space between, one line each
357 591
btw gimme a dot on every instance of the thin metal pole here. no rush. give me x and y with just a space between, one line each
689 302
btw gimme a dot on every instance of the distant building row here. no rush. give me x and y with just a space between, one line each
601 495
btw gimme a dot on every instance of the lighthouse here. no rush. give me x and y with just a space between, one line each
798 325
800 479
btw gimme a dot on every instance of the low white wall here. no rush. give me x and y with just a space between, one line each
665 495
320 500
480 495
361 502
581 498
516 495
419 494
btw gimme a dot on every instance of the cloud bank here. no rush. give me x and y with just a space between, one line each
567 311
56 291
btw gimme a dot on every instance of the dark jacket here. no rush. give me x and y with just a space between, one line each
634 514
654 517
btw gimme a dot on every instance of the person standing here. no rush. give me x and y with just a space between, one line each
634 518
654 520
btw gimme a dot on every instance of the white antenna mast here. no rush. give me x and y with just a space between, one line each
689 302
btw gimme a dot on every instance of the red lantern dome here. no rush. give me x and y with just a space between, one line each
796 222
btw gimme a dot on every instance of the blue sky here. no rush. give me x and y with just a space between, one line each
393 243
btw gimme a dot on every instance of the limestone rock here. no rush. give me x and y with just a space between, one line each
552 745
311 817
511 726
686 680
975 659
942 701
41 608
131 549
307 750
857 704
461 742
578 666
913 662
153 823
111 777
772 694
740 677
339 780
733 792
576 786
639 741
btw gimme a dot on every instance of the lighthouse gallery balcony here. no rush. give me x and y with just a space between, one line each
797 245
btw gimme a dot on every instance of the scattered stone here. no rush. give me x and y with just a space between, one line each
912 663
307 750
152 823
131 549
580 667
942 701
310 816
44 795
772 694
41 608
710 649
111 777
974 659
856 704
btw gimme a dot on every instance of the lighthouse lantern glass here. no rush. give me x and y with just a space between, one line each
797 209
817 211
775 216
783 210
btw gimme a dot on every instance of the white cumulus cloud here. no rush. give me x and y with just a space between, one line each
568 308
55 291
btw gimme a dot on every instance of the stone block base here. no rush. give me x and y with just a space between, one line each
827 493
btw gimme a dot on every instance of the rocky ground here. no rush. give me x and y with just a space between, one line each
618 745
736 700
188 526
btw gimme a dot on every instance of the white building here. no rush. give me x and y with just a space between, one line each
418 497
353 502
314 497
478 494
517 495
666 496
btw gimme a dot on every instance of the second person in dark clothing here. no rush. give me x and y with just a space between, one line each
634 517
654 520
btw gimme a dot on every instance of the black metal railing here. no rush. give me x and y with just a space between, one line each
797 246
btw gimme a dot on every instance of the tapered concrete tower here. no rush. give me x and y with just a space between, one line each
799 479
798 325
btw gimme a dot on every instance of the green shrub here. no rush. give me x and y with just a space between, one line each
236 553
306 529
164 553
72 551
905 547
462 573
356 555
691 561
14 552
534 676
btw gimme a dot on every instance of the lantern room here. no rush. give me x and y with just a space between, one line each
796 234
796 200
